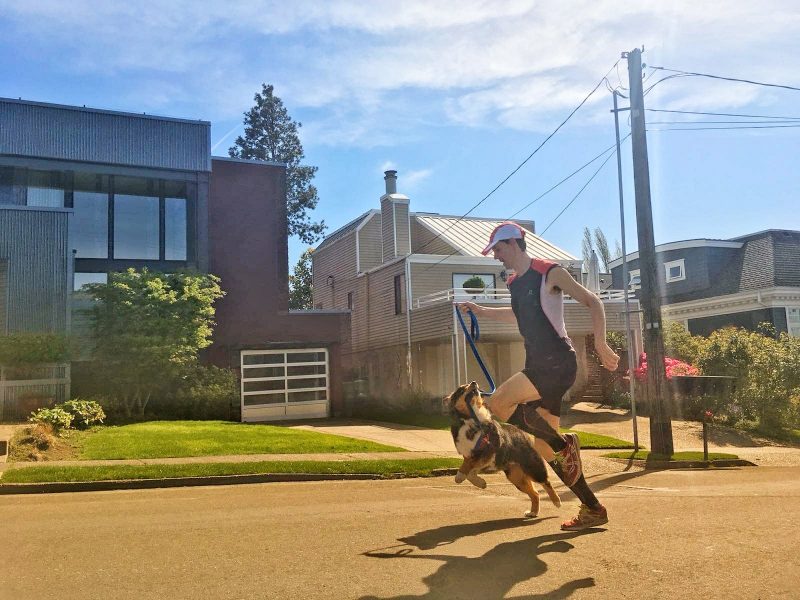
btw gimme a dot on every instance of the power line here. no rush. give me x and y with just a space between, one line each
716 114
750 81
575 172
725 128
531 155
542 195
579 192
701 122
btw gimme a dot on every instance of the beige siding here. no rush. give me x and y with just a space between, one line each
424 241
402 228
431 278
369 243
579 320
339 260
387 229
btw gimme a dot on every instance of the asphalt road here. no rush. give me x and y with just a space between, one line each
673 534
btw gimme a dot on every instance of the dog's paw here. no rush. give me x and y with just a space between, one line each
478 482
529 514
460 477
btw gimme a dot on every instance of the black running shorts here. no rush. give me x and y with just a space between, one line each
552 376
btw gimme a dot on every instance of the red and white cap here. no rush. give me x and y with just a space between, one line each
504 231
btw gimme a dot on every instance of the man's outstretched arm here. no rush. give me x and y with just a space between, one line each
500 313
559 277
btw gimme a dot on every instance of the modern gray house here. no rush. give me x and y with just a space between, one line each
85 192
708 284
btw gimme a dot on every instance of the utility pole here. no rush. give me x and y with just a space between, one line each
657 392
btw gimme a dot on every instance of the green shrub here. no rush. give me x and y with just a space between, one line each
680 344
23 349
85 413
202 392
767 371
56 417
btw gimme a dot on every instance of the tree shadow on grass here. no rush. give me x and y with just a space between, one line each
489 576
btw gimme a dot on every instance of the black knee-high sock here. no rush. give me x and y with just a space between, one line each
532 422
584 494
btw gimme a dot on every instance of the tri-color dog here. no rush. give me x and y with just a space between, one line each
488 444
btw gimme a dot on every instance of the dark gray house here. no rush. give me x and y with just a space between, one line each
85 192
709 284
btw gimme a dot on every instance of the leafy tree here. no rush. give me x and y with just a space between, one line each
586 247
300 287
271 134
474 283
617 250
601 244
147 328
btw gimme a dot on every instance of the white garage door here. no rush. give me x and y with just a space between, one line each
285 384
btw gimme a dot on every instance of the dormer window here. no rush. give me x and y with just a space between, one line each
674 270
634 280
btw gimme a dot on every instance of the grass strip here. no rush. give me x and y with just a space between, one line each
682 456
415 467
178 439
588 441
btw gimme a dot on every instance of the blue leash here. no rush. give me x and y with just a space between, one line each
472 336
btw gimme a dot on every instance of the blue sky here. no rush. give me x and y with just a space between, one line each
454 95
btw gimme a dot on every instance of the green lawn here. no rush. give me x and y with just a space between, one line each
688 456
44 474
588 440
164 439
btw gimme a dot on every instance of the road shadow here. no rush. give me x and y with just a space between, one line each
494 574
441 536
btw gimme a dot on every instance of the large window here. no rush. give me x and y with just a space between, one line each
793 321
175 221
90 217
45 188
477 291
136 218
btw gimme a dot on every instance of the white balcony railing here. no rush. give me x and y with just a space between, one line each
494 295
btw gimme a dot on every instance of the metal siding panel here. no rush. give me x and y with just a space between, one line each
3 294
35 244
76 134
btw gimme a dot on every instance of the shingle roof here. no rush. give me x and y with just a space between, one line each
470 236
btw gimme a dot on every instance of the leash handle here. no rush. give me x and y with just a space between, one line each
471 337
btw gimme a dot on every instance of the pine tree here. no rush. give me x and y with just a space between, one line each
601 244
271 134
300 283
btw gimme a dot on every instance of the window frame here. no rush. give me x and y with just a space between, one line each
672 264
398 294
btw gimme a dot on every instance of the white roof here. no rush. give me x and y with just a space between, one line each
470 236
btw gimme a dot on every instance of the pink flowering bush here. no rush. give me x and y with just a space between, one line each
673 366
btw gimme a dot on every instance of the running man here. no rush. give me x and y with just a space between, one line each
531 399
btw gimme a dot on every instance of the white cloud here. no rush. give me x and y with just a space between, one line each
374 73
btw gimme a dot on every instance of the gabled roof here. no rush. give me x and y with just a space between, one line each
345 229
470 235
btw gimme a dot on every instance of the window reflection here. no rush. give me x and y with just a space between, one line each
175 228
45 188
136 227
90 224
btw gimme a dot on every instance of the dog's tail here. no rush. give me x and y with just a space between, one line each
552 493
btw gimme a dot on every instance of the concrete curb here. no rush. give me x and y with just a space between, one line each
173 482
685 464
